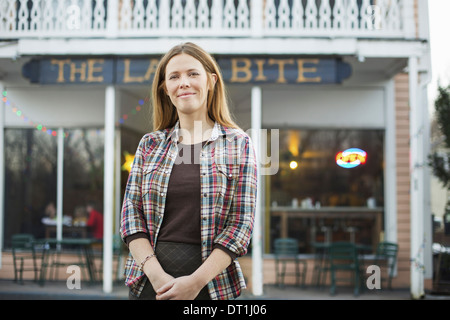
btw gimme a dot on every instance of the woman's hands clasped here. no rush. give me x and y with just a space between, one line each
182 288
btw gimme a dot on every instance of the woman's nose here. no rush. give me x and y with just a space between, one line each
184 82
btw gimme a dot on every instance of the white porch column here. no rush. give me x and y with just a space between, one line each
390 172
417 184
257 261
59 184
425 79
117 189
2 170
427 173
108 188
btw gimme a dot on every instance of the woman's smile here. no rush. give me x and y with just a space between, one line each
185 95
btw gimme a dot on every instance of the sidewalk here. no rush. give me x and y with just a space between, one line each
57 290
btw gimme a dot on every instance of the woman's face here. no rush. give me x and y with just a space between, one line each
187 85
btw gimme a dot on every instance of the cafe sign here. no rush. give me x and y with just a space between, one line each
237 70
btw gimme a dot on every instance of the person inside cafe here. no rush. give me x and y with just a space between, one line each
49 214
80 216
95 221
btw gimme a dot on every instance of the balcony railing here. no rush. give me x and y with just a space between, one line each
206 18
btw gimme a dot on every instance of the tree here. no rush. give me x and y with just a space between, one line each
439 161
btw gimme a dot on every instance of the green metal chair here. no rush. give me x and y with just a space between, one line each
24 249
286 251
343 260
119 250
119 253
321 267
386 255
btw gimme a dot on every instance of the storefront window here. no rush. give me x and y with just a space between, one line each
318 184
30 180
83 182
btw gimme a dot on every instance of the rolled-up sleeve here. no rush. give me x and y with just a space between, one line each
132 219
240 220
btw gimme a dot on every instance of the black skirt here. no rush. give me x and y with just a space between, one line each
176 259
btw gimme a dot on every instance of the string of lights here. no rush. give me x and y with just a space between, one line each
19 113
44 128
133 112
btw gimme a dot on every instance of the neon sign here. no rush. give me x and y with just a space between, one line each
351 158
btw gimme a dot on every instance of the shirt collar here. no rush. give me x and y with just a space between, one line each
217 131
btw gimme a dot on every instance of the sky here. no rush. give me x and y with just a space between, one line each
439 12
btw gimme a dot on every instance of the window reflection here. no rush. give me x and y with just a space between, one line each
313 199
31 178
83 178
308 169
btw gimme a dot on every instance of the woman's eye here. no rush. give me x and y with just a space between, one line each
173 77
193 74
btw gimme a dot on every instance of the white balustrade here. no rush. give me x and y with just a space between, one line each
207 18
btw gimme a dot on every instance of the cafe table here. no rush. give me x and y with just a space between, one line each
56 246
82 231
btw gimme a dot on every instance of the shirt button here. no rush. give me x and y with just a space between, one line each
162 194
205 194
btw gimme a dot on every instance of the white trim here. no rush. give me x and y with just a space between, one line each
117 177
416 188
282 46
112 24
424 23
2 171
257 250
424 81
60 185
257 25
117 165
108 188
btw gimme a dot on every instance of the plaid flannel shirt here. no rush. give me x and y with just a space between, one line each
228 181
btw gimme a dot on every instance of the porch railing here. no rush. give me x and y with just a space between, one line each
206 18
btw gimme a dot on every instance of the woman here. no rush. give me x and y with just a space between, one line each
189 204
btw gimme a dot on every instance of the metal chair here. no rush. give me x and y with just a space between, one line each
119 256
119 251
286 250
386 255
24 248
343 259
321 267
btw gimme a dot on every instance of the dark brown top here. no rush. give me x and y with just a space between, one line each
181 221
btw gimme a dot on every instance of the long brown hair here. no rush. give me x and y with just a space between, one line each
165 114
